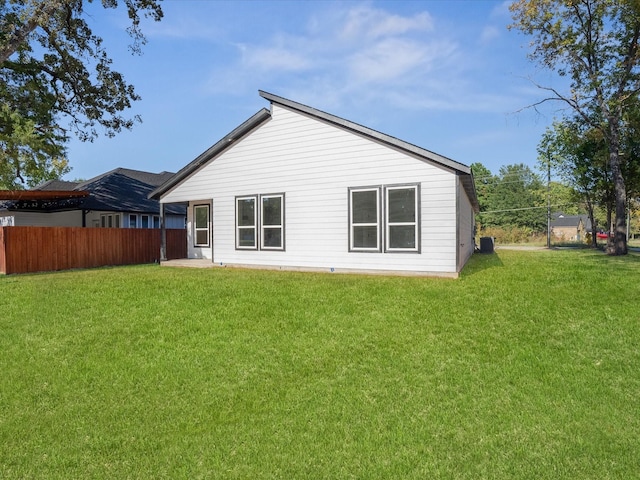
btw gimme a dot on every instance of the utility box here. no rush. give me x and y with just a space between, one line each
486 244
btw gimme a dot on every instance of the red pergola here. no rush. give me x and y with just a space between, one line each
41 194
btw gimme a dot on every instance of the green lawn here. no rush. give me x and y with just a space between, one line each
528 366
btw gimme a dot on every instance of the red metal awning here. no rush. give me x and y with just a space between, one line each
41 194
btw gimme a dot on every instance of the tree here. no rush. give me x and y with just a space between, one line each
511 199
595 44
578 154
517 198
56 79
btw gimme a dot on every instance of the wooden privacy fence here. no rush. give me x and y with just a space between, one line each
41 249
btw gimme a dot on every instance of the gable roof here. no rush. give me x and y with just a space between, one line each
463 171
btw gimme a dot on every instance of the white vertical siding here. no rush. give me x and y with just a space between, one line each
314 164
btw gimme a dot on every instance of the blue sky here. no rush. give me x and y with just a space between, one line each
447 76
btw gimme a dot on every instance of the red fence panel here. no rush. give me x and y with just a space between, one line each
3 258
176 244
40 249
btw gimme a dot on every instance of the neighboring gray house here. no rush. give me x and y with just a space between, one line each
117 199
297 188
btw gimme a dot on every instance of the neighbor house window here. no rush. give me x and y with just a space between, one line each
156 221
246 223
201 225
110 220
133 220
272 222
144 221
364 219
401 210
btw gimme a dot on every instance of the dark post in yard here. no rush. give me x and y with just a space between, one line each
163 235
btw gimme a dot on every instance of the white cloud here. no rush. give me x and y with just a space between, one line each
344 56
366 22
489 33
273 58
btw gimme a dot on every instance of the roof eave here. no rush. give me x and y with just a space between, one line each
226 142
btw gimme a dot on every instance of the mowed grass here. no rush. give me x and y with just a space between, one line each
526 367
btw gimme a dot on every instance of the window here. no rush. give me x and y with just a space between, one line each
133 220
110 220
265 222
144 221
156 221
364 219
401 207
272 222
394 223
201 225
246 223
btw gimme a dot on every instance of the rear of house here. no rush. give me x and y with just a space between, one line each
296 188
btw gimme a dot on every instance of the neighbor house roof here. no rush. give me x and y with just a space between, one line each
57 185
561 220
119 190
263 115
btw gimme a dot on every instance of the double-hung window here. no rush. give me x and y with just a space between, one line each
401 208
201 225
364 219
246 223
386 216
272 222
260 222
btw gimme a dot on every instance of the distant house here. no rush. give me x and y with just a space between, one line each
117 199
572 228
297 188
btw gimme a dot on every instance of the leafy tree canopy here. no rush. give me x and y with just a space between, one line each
596 45
55 80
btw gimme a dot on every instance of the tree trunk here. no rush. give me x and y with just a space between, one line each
594 227
619 246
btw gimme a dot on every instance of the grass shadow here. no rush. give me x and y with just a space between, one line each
480 262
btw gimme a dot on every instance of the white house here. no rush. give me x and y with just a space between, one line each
297 188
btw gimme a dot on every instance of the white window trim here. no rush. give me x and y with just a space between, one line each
197 229
415 223
352 225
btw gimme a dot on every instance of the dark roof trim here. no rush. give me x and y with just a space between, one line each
227 141
368 132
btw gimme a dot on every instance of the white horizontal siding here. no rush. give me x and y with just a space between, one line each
314 164
71 218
